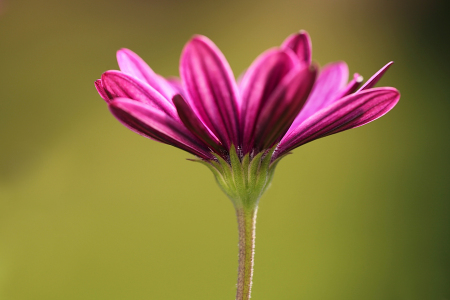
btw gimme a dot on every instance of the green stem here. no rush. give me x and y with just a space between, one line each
246 224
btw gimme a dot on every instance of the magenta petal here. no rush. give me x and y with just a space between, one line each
195 125
177 85
327 88
257 85
151 122
211 88
376 77
101 90
352 86
349 112
131 64
118 84
283 106
300 43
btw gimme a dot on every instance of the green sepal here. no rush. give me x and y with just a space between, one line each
219 178
226 172
254 167
263 175
238 172
243 179
245 168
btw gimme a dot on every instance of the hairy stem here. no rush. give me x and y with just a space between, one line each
246 224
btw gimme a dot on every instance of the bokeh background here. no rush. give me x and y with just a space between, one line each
90 210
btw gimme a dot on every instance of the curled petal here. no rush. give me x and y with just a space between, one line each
300 43
153 123
376 77
211 88
130 63
101 90
352 86
195 125
257 85
118 84
283 106
349 112
327 88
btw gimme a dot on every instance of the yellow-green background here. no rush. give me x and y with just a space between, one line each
90 210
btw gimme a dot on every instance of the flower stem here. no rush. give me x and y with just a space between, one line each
246 224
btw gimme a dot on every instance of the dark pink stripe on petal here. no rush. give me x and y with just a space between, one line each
259 82
300 43
130 63
118 84
328 87
376 77
101 90
283 106
153 123
349 112
195 125
211 88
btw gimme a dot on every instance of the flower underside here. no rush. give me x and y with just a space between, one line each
240 129
243 180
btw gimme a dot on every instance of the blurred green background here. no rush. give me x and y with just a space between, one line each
90 210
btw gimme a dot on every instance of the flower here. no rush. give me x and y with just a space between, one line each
281 102
241 129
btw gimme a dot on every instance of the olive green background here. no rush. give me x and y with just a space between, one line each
90 210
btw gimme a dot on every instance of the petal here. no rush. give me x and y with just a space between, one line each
300 43
101 90
257 85
349 112
282 107
118 84
211 88
131 64
195 125
352 86
177 85
328 87
150 122
376 77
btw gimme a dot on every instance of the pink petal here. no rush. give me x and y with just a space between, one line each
195 125
118 84
376 77
283 106
257 85
153 123
352 86
131 64
328 87
300 43
176 85
101 90
349 112
211 88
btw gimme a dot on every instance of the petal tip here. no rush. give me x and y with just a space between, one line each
101 90
198 38
123 53
122 50
358 78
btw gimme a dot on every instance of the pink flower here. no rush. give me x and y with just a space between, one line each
281 101
240 130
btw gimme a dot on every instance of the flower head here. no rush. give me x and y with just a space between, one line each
240 129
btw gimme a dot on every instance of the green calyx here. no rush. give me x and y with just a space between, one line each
245 179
